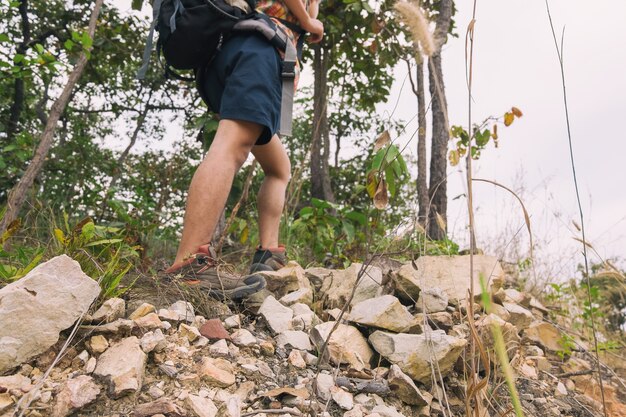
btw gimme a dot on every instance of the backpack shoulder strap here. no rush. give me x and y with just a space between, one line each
141 73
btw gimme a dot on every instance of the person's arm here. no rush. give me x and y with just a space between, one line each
314 8
308 23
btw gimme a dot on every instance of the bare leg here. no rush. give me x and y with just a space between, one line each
212 182
271 198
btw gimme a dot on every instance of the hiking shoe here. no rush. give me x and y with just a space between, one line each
202 271
270 259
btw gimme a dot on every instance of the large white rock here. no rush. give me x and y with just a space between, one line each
337 287
346 345
432 300
33 310
384 312
122 367
450 273
111 310
518 315
545 334
415 353
288 279
277 316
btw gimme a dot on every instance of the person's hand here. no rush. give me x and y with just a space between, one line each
315 28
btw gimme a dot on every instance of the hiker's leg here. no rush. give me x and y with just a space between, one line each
271 198
212 182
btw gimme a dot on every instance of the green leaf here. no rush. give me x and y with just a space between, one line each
86 40
136 4
306 212
39 48
349 230
68 44
357 216
378 159
391 180
4 37
104 242
315 202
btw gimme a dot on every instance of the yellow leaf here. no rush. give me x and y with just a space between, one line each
372 183
508 118
494 132
453 156
58 233
381 198
382 139
517 112
244 234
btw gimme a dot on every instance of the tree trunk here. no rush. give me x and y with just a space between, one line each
320 141
422 180
437 228
18 90
17 195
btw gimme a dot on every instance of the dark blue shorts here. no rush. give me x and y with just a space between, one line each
243 82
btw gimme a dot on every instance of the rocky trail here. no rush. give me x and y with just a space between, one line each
400 348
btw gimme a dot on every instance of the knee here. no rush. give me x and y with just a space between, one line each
233 153
279 172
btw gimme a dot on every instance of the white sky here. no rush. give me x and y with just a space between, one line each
515 64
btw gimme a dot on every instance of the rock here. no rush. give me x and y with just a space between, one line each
337 287
122 367
150 321
322 385
432 300
514 296
317 276
214 330
188 332
97 344
342 398
141 311
34 309
450 273
162 406
288 279
120 327
75 394
527 371
267 348
277 316
303 295
500 311
243 338
509 332
184 309
169 315
296 360
111 310
217 372
404 387
232 322
386 411
90 366
384 312
519 316
153 341
202 407
15 382
414 353
545 334
346 345
219 348
231 407
294 340
5 402
442 320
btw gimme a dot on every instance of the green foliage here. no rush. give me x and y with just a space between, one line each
18 262
481 136
105 253
567 344
328 228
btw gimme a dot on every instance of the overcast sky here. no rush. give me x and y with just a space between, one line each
515 64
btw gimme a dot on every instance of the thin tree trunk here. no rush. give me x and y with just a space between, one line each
18 91
320 141
17 195
437 190
422 180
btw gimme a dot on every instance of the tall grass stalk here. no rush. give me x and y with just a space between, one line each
500 347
